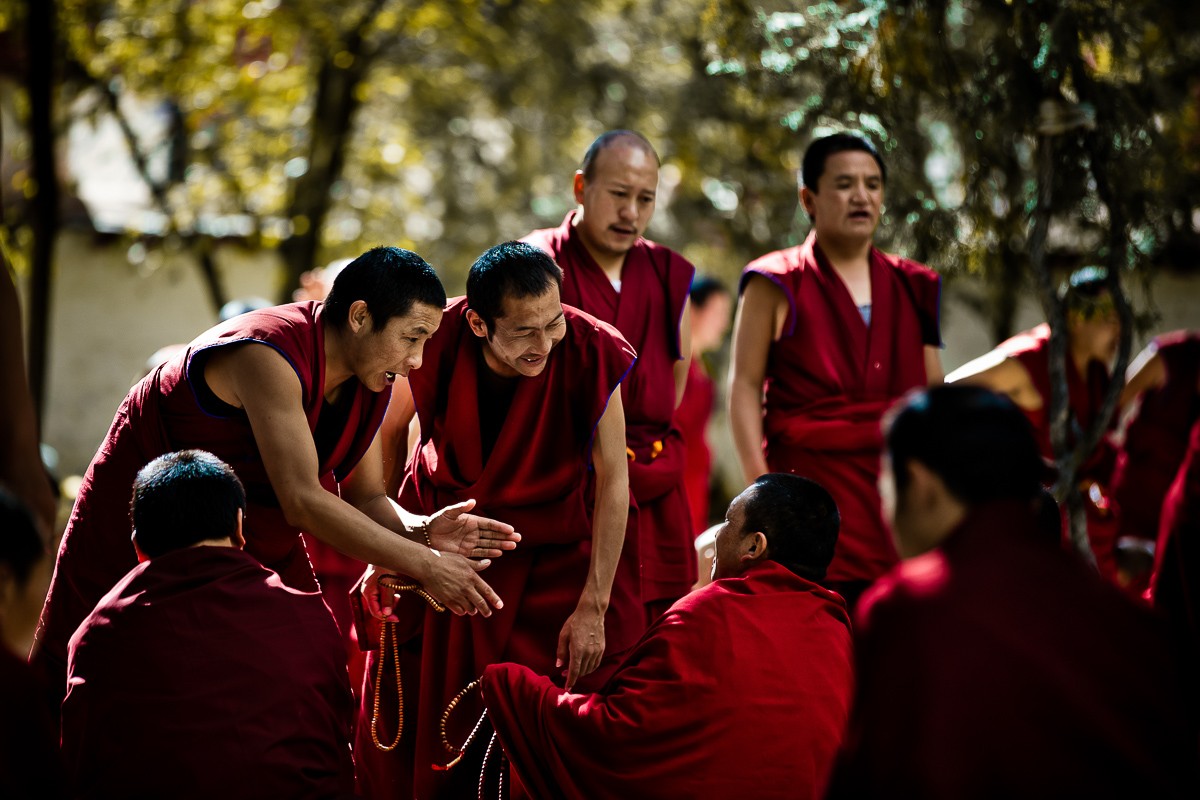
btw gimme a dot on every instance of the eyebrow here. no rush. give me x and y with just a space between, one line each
537 327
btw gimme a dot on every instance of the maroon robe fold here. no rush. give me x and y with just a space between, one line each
1175 586
647 311
1085 396
741 689
162 414
692 416
201 675
830 378
1153 448
999 666
537 478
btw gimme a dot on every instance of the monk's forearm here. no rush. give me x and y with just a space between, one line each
609 519
746 425
355 533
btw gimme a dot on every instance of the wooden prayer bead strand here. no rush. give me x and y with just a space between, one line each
483 771
458 752
387 632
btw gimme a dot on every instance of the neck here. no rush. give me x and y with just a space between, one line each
337 366
1080 358
846 255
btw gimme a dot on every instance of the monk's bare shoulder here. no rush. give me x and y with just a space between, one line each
763 301
1003 374
235 370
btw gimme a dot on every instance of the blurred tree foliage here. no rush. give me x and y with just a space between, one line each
319 129
952 90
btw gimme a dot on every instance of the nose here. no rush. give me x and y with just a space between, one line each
628 209
414 360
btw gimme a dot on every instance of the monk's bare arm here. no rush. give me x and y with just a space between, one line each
685 347
1001 374
581 641
759 321
393 434
260 381
934 374
1146 372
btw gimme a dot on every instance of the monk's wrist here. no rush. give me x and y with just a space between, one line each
593 602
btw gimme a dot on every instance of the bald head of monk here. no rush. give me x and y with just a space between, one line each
947 450
616 188
783 518
514 307
186 499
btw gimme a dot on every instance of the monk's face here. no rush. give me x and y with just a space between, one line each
618 200
1096 329
730 544
523 337
380 356
848 199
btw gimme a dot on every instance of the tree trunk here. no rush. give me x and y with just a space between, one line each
41 38
336 102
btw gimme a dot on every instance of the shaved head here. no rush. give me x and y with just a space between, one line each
609 138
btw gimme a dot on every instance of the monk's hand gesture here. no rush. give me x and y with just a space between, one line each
581 642
453 582
453 530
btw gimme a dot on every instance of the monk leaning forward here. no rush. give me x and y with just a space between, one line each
518 407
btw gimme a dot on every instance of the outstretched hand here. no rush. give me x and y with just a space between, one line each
454 530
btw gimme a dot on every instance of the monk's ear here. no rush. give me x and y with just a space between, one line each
754 548
806 200
239 538
579 186
359 317
478 326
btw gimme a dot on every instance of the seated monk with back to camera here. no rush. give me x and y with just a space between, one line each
991 662
201 675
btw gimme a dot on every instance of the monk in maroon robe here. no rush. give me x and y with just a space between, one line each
710 311
991 663
641 288
827 335
1020 369
1175 587
1164 381
518 408
742 688
200 674
291 397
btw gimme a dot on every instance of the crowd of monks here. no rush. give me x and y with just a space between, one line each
496 498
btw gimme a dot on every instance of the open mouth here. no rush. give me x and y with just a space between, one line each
860 215
390 376
623 231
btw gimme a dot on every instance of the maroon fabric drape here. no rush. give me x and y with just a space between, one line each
537 478
201 675
1175 586
999 665
692 417
741 689
830 378
1154 446
162 414
647 311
